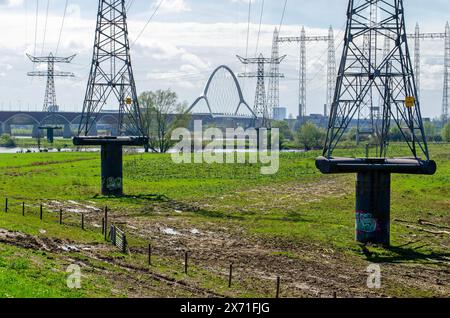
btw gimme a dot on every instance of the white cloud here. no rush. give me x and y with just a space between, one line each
172 6
10 3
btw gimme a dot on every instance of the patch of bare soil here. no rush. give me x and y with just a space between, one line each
129 280
307 269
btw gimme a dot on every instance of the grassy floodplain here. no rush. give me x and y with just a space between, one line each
297 224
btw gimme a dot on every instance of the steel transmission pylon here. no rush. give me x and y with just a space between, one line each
362 78
302 76
445 102
111 82
331 66
273 97
391 77
50 104
417 58
331 71
261 108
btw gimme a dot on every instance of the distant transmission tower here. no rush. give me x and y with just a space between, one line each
331 71
261 108
273 97
111 81
50 104
445 102
302 76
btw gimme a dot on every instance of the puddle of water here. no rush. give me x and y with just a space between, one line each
170 231
69 248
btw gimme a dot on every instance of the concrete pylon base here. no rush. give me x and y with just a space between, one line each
373 200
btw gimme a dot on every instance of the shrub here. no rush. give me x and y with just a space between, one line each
7 141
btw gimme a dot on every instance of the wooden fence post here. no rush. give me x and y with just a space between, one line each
60 216
23 208
103 225
124 244
6 205
278 287
230 276
41 212
106 223
149 254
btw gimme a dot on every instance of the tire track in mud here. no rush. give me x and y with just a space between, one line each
61 247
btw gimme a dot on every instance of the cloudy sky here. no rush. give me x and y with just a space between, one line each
186 40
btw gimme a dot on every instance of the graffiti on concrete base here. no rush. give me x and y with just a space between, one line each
113 184
365 222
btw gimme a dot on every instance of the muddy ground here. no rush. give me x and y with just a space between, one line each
306 269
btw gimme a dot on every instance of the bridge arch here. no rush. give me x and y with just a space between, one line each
206 98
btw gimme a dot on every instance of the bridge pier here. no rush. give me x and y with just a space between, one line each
93 131
7 129
67 133
36 133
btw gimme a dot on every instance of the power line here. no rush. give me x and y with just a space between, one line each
36 27
148 22
45 28
129 6
259 30
62 26
282 16
248 26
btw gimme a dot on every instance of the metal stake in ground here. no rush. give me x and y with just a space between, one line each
82 221
186 255
41 212
60 217
150 255
6 205
23 208
278 287
230 277
106 223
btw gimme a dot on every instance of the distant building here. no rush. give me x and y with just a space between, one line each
279 113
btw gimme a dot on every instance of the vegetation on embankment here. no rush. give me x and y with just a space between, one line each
296 205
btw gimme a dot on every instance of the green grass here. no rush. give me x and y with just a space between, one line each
292 205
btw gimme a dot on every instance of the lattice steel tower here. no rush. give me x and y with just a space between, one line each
111 84
111 81
331 71
260 109
302 76
273 97
50 104
445 102
392 78
363 79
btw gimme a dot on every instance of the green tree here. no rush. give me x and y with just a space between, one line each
310 136
286 133
431 131
7 141
161 115
446 132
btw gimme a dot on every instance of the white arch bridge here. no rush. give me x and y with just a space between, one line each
222 97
